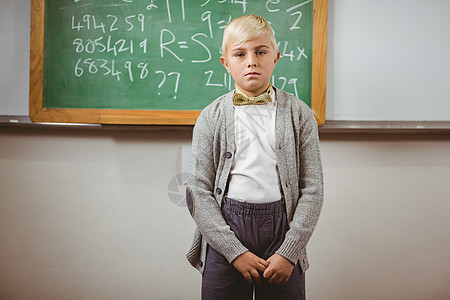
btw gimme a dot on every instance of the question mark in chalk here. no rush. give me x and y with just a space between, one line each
176 83
163 80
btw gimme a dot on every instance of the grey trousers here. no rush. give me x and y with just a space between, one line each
261 228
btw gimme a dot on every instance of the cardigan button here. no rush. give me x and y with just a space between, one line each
228 155
200 263
219 191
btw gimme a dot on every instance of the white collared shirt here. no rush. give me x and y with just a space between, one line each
254 176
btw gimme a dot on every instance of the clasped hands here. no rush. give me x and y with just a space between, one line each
276 269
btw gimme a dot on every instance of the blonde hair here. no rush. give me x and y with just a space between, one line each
245 28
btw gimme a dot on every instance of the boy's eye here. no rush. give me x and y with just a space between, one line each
260 52
239 54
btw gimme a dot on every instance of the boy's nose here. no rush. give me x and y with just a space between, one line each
251 61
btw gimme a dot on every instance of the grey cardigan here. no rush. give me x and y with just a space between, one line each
299 165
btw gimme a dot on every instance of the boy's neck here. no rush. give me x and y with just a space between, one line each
241 92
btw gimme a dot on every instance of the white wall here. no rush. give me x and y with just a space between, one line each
14 56
84 214
384 229
87 215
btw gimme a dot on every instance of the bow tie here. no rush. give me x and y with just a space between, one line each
264 98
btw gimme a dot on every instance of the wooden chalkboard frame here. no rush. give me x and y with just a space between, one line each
38 113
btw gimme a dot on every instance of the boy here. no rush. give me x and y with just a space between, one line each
255 188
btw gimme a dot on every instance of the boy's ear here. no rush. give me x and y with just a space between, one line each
224 62
277 58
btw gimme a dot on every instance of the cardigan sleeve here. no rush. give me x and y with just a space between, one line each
202 204
310 185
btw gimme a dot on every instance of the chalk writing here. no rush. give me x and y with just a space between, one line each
167 44
111 23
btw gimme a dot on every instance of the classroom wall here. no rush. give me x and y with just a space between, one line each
88 214
14 56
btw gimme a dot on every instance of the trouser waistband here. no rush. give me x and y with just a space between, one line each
255 209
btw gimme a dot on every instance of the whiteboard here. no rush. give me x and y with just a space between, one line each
388 60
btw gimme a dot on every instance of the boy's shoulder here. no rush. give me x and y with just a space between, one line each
293 102
297 108
223 105
285 98
218 106
220 101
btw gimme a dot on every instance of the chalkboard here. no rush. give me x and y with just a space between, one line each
157 61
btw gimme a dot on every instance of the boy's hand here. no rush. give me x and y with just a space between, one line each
279 270
250 265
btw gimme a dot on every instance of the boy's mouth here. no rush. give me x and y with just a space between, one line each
252 74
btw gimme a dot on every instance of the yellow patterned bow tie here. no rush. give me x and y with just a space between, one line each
264 98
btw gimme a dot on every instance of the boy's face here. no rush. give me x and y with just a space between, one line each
251 64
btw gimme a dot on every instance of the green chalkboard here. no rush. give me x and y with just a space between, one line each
158 55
